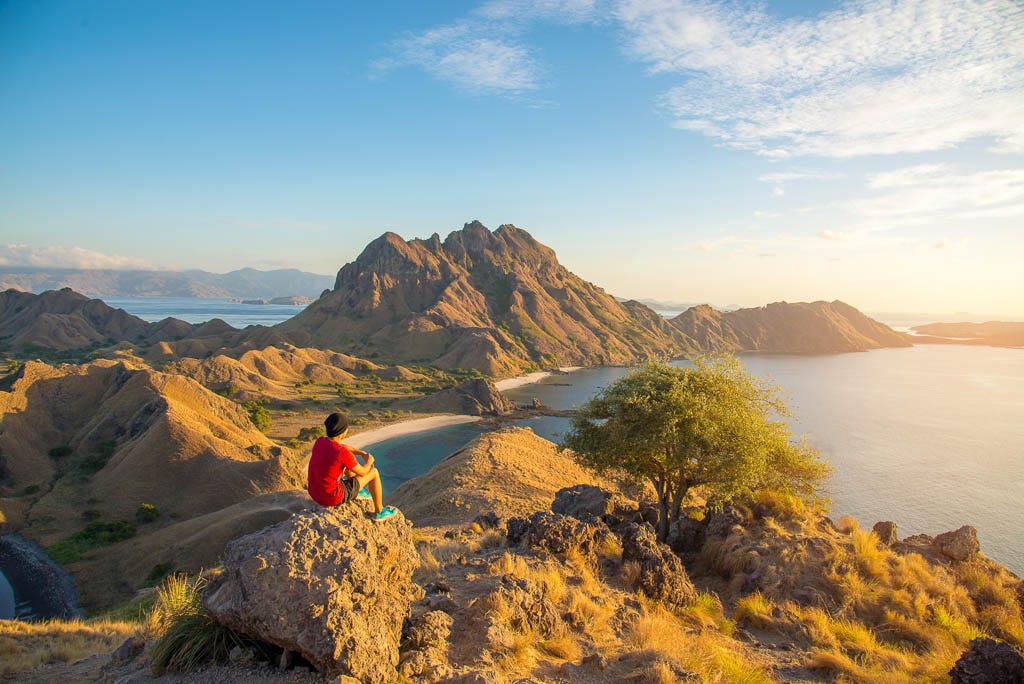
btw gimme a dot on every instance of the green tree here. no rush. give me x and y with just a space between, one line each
258 414
713 425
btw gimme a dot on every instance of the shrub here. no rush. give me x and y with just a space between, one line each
157 573
187 636
62 451
146 513
95 462
258 414
308 434
95 534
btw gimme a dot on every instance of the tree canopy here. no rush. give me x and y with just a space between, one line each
713 425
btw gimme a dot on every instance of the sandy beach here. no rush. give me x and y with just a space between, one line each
510 383
406 427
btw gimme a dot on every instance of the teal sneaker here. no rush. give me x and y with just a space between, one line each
364 494
388 512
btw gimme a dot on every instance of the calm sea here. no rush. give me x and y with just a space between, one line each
930 437
194 310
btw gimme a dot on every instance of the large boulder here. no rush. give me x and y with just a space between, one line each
330 584
588 502
988 661
473 397
959 545
662 575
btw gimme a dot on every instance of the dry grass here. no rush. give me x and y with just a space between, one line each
755 610
871 558
562 647
25 646
847 524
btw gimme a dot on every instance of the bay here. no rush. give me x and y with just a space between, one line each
7 606
930 436
197 310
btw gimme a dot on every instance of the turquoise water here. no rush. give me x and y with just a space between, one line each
195 310
930 437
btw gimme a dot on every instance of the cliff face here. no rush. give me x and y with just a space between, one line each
785 328
495 301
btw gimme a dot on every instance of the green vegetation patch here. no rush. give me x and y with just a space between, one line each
94 535
146 513
258 414
94 462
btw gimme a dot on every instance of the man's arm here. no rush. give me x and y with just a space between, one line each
366 467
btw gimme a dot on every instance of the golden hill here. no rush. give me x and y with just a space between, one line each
91 443
498 302
787 328
511 472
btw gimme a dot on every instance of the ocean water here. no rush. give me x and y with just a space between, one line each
930 437
195 310
7 611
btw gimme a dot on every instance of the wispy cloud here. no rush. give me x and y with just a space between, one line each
780 179
15 255
941 192
484 51
872 77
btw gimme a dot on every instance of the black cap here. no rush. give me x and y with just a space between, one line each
335 424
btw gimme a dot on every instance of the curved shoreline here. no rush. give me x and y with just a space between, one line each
530 378
406 427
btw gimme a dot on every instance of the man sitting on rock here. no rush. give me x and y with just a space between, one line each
334 476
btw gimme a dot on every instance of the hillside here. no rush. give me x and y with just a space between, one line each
787 328
246 283
994 333
64 320
91 443
511 472
498 302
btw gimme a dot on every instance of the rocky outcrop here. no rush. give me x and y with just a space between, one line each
477 397
330 584
589 502
787 328
886 532
988 661
426 647
959 545
496 301
560 534
37 580
662 575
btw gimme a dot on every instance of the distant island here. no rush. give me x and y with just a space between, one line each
991 333
246 283
297 300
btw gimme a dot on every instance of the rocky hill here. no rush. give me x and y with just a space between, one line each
498 302
787 328
64 320
247 283
84 447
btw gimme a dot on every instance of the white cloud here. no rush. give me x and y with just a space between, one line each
938 191
872 77
15 255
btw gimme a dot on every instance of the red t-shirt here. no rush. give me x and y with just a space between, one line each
326 466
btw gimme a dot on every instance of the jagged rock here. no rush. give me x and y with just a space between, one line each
588 502
561 534
662 575
595 661
527 608
128 650
960 545
516 529
475 677
330 584
686 534
988 661
487 521
886 532
720 523
428 641
241 656
475 397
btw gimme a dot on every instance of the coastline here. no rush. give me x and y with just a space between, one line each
530 378
406 427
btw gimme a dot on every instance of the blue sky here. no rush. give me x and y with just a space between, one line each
735 153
